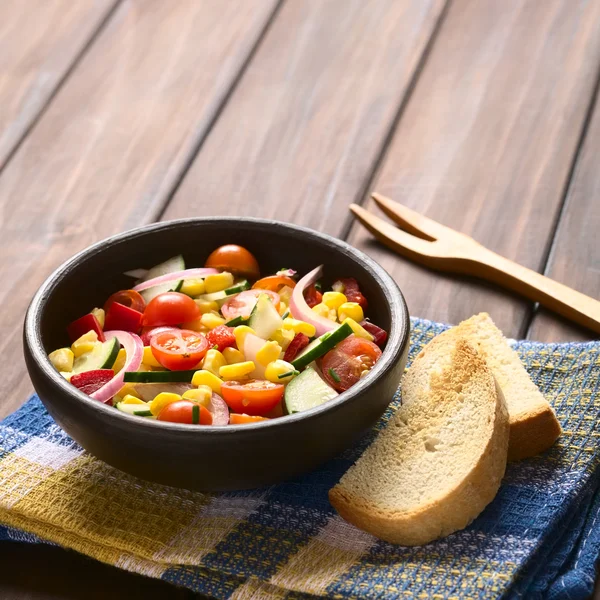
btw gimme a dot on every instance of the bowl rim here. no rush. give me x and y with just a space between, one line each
398 336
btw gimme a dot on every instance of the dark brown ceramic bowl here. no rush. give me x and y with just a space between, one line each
212 458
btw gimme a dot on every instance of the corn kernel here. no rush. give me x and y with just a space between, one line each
62 359
100 316
129 399
323 311
237 371
283 337
352 310
120 361
193 287
213 361
277 368
148 358
233 356
85 343
218 282
201 395
161 400
334 299
268 353
206 306
299 327
283 308
358 329
195 326
285 294
128 389
204 377
240 333
212 320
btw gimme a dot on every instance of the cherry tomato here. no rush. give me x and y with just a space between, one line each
185 411
342 367
274 283
148 332
237 419
312 296
352 291
129 298
170 308
179 349
299 342
222 337
242 304
255 397
234 259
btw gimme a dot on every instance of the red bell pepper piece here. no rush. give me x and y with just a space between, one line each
379 335
352 291
91 381
81 326
299 342
122 317
312 296
222 337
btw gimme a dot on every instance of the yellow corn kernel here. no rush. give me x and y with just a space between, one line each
161 400
323 311
120 362
352 310
285 294
358 330
195 326
201 395
277 368
204 377
240 333
206 306
148 358
283 308
129 399
213 361
268 353
283 337
334 299
218 282
128 389
100 316
212 320
62 359
233 356
85 343
237 371
299 327
193 287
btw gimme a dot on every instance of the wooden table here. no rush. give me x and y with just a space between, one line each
482 114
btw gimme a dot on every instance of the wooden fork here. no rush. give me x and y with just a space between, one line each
436 246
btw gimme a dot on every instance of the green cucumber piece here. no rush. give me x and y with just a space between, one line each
265 319
240 286
224 294
169 266
307 391
321 345
133 409
158 376
103 356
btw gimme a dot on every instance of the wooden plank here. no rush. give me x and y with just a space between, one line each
487 141
575 255
39 42
110 148
300 136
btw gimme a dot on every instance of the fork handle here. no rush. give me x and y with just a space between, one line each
549 293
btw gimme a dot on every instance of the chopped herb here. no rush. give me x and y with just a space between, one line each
215 347
196 414
334 376
318 286
286 314
288 374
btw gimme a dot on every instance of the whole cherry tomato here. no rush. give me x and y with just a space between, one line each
170 308
235 259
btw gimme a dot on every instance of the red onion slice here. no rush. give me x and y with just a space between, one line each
219 411
134 350
300 310
186 274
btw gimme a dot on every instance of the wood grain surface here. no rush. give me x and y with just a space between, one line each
575 254
487 140
302 132
40 40
114 142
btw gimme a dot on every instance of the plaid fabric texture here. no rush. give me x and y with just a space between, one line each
539 538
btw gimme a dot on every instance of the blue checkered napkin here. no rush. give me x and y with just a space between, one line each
540 537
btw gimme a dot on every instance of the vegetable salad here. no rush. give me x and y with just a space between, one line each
220 344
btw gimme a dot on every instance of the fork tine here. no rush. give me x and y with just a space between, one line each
411 221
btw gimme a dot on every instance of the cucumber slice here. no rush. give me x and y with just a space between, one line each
307 391
265 319
224 294
321 345
169 266
103 356
158 376
240 286
133 409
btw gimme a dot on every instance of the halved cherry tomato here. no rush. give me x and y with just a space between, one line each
185 411
342 367
179 349
237 419
242 304
235 259
170 308
255 397
129 298
149 332
222 337
274 283
312 296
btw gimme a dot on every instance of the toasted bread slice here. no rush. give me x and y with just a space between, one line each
440 459
533 424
